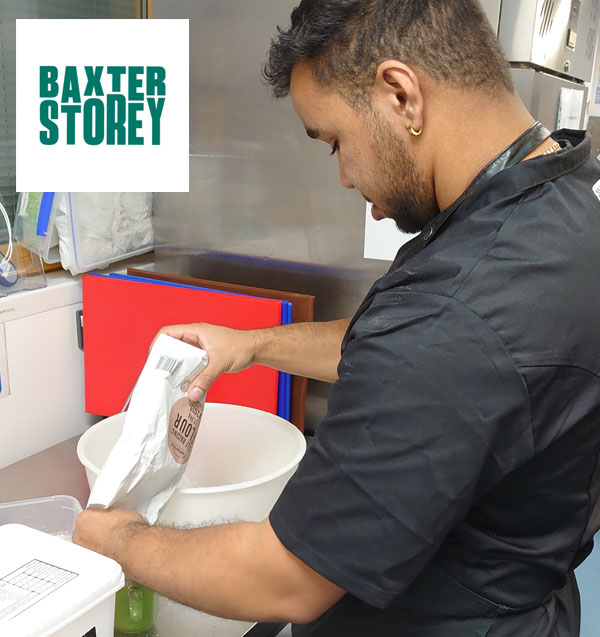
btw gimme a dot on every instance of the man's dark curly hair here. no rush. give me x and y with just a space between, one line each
346 40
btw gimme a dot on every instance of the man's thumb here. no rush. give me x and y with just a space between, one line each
201 384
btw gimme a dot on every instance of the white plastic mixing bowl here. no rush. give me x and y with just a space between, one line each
241 461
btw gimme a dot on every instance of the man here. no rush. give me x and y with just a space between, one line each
453 486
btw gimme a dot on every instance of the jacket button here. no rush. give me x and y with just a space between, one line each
427 234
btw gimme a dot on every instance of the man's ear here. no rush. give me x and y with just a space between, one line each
397 93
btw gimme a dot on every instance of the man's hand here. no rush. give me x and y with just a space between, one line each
104 530
303 349
228 351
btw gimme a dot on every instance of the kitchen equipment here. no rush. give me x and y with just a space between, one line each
241 461
135 608
96 229
20 269
54 514
558 35
49 587
85 231
114 353
551 45
34 223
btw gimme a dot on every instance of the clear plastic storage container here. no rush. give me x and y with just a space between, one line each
34 223
52 588
85 230
96 229
54 514
20 263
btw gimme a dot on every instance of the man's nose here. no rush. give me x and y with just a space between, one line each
346 181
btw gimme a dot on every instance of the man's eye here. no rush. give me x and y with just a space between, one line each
335 147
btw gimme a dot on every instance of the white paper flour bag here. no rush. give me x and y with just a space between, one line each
149 458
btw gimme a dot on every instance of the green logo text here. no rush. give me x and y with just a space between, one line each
75 100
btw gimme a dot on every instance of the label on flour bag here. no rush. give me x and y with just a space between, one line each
183 427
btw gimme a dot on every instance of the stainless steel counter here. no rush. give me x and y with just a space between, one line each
57 471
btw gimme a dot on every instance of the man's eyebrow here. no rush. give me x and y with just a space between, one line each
313 134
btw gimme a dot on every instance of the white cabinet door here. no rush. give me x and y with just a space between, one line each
42 370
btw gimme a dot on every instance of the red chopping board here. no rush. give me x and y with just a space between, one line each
121 318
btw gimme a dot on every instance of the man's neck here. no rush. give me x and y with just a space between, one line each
480 129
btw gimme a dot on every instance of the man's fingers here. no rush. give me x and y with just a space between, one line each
202 382
196 335
168 330
180 332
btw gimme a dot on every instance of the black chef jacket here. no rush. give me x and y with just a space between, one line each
453 485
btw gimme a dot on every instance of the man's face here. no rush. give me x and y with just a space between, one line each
371 155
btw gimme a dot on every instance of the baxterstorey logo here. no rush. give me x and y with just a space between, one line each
102 105
112 117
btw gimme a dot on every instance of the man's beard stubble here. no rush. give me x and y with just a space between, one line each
404 195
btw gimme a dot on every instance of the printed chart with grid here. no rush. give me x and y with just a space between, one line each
28 584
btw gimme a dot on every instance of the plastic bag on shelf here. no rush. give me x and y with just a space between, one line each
86 230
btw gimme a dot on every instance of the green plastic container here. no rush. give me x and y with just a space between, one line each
135 608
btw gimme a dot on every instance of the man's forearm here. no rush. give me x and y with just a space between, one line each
304 349
218 570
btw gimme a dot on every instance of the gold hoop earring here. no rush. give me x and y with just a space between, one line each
414 132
